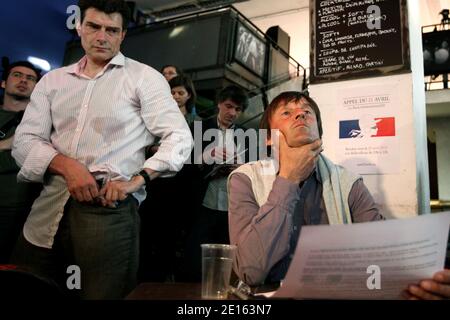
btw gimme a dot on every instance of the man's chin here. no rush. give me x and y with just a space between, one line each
20 96
102 57
299 142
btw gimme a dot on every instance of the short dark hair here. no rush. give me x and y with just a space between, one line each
186 82
283 99
25 64
107 6
235 94
178 70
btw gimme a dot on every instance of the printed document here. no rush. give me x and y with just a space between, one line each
372 260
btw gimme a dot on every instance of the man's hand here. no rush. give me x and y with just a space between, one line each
220 154
437 288
114 191
6 144
296 164
80 182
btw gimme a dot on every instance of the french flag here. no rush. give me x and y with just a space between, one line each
368 127
386 127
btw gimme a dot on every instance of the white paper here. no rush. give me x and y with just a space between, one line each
368 125
331 262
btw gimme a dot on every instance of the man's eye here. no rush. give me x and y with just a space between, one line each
93 27
112 32
285 113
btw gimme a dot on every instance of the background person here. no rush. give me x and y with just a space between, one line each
170 71
18 82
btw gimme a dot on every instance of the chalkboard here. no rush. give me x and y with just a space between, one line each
358 38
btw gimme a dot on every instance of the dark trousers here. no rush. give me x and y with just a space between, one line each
211 226
11 224
103 242
166 216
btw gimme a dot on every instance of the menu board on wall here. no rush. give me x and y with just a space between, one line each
358 38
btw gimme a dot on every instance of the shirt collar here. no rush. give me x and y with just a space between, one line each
218 125
77 68
317 175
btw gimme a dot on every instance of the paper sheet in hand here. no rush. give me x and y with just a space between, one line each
331 262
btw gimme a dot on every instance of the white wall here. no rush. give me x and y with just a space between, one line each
419 106
441 128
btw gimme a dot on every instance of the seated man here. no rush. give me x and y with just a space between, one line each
268 207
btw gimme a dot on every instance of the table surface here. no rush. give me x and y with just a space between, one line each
184 291
168 291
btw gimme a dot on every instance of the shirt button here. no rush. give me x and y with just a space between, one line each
295 228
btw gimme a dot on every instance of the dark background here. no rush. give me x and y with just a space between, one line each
34 28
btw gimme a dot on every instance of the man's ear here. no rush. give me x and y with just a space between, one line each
3 84
78 27
124 33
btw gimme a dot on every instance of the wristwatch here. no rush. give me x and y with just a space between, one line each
144 175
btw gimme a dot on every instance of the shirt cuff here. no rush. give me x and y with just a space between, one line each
161 166
36 163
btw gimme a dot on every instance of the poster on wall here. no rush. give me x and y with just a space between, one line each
367 122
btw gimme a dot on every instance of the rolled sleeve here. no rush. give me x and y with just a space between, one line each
36 163
32 149
163 118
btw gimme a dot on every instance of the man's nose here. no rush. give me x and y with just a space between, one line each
300 115
101 35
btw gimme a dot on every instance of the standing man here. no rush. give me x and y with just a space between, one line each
211 222
18 82
84 135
